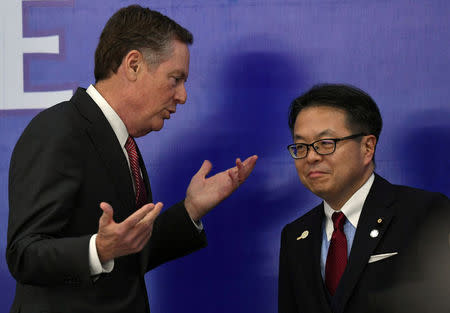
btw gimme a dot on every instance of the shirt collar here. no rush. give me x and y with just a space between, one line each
351 209
113 118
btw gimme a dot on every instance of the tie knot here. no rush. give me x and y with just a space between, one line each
338 220
130 145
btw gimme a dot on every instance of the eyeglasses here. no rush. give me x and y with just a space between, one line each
323 146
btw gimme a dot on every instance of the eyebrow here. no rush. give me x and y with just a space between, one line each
326 132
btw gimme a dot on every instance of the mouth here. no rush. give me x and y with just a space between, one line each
316 174
169 112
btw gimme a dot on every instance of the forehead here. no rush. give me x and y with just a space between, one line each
320 121
178 59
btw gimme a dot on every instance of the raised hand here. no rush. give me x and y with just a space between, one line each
205 193
130 236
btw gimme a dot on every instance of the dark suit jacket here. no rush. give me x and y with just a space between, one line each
301 287
422 283
66 162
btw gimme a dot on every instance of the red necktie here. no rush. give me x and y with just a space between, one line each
141 194
337 253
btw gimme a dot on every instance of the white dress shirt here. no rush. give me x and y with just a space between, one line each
120 130
352 210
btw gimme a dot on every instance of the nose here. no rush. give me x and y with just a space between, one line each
312 156
181 94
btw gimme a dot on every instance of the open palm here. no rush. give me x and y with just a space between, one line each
205 193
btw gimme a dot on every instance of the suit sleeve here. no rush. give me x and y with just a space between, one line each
174 235
286 300
43 184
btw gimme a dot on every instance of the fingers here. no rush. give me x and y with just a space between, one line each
239 164
142 241
234 176
251 161
137 216
150 217
236 173
144 228
243 169
204 169
248 166
128 237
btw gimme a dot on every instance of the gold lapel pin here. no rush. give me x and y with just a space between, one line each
379 221
303 235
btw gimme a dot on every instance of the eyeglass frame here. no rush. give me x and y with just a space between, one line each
335 140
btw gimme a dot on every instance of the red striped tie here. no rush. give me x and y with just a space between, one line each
337 253
141 194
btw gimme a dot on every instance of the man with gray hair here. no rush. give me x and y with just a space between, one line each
82 229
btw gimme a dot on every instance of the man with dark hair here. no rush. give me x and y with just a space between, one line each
341 252
67 253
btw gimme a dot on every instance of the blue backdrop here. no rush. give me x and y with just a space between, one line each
249 60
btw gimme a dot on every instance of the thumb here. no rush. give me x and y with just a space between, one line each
108 212
204 169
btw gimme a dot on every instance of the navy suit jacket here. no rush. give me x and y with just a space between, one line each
65 163
301 287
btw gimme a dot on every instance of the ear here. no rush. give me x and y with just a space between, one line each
132 64
368 145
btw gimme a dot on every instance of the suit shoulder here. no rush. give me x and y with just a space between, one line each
415 194
417 203
58 115
58 122
305 219
56 130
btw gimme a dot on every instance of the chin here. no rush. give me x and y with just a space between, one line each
319 190
159 126
323 194
156 124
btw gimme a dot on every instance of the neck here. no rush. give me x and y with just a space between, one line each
338 202
113 92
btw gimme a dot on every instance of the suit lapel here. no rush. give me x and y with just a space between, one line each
309 252
111 153
377 205
109 150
